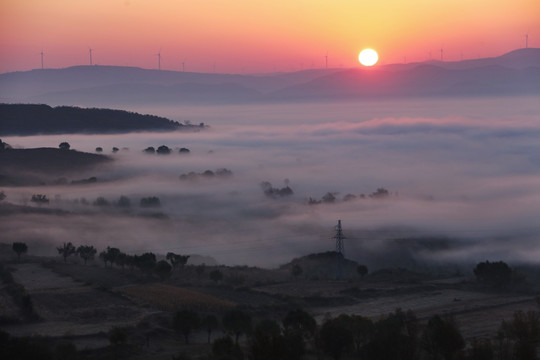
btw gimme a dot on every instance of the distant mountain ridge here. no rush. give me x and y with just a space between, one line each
516 72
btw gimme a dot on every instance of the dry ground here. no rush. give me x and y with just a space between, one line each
84 302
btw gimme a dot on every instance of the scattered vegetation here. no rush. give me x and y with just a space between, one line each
19 248
207 174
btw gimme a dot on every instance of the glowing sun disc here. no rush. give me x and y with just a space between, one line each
368 57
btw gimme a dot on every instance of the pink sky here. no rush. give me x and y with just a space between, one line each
257 35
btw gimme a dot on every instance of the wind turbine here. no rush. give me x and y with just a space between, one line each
326 58
159 59
183 65
90 53
41 59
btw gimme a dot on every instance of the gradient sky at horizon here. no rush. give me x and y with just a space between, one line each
249 36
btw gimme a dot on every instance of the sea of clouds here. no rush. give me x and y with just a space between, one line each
463 177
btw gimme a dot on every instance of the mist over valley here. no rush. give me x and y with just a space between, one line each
462 172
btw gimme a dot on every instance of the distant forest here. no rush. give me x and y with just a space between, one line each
29 119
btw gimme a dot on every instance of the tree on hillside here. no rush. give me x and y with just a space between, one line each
237 322
267 342
522 334
362 270
109 255
329 198
19 248
185 321
151 201
2 195
442 338
163 150
149 150
64 146
99 149
86 252
163 269
145 262
336 338
381 193
39 199
210 323
124 202
296 270
493 273
66 250
216 275
177 261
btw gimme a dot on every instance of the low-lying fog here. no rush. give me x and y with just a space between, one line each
467 170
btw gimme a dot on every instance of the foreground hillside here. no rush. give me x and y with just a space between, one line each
100 311
29 119
34 166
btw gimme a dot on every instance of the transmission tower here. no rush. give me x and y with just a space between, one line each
340 250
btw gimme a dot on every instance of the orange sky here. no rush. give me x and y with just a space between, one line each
258 35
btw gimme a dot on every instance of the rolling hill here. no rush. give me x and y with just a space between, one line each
516 72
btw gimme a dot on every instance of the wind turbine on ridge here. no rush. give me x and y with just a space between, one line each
159 59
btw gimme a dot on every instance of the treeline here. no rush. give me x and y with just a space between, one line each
28 119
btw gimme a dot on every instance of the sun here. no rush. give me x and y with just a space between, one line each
368 57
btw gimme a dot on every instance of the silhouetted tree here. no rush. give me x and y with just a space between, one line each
328 198
124 201
299 327
145 262
99 149
163 150
151 201
225 349
163 269
266 342
362 270
115 149
199 269
39 199
65 350
185 322
210 323
349 197
523 331
336 338
66 250
64 146
177 261
86 252
216 275
117 335
493 273
296 270
2 195
441 337
19 248
150 150
109 255
184 151
237 322
381 193
480 350
399 329
101 201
